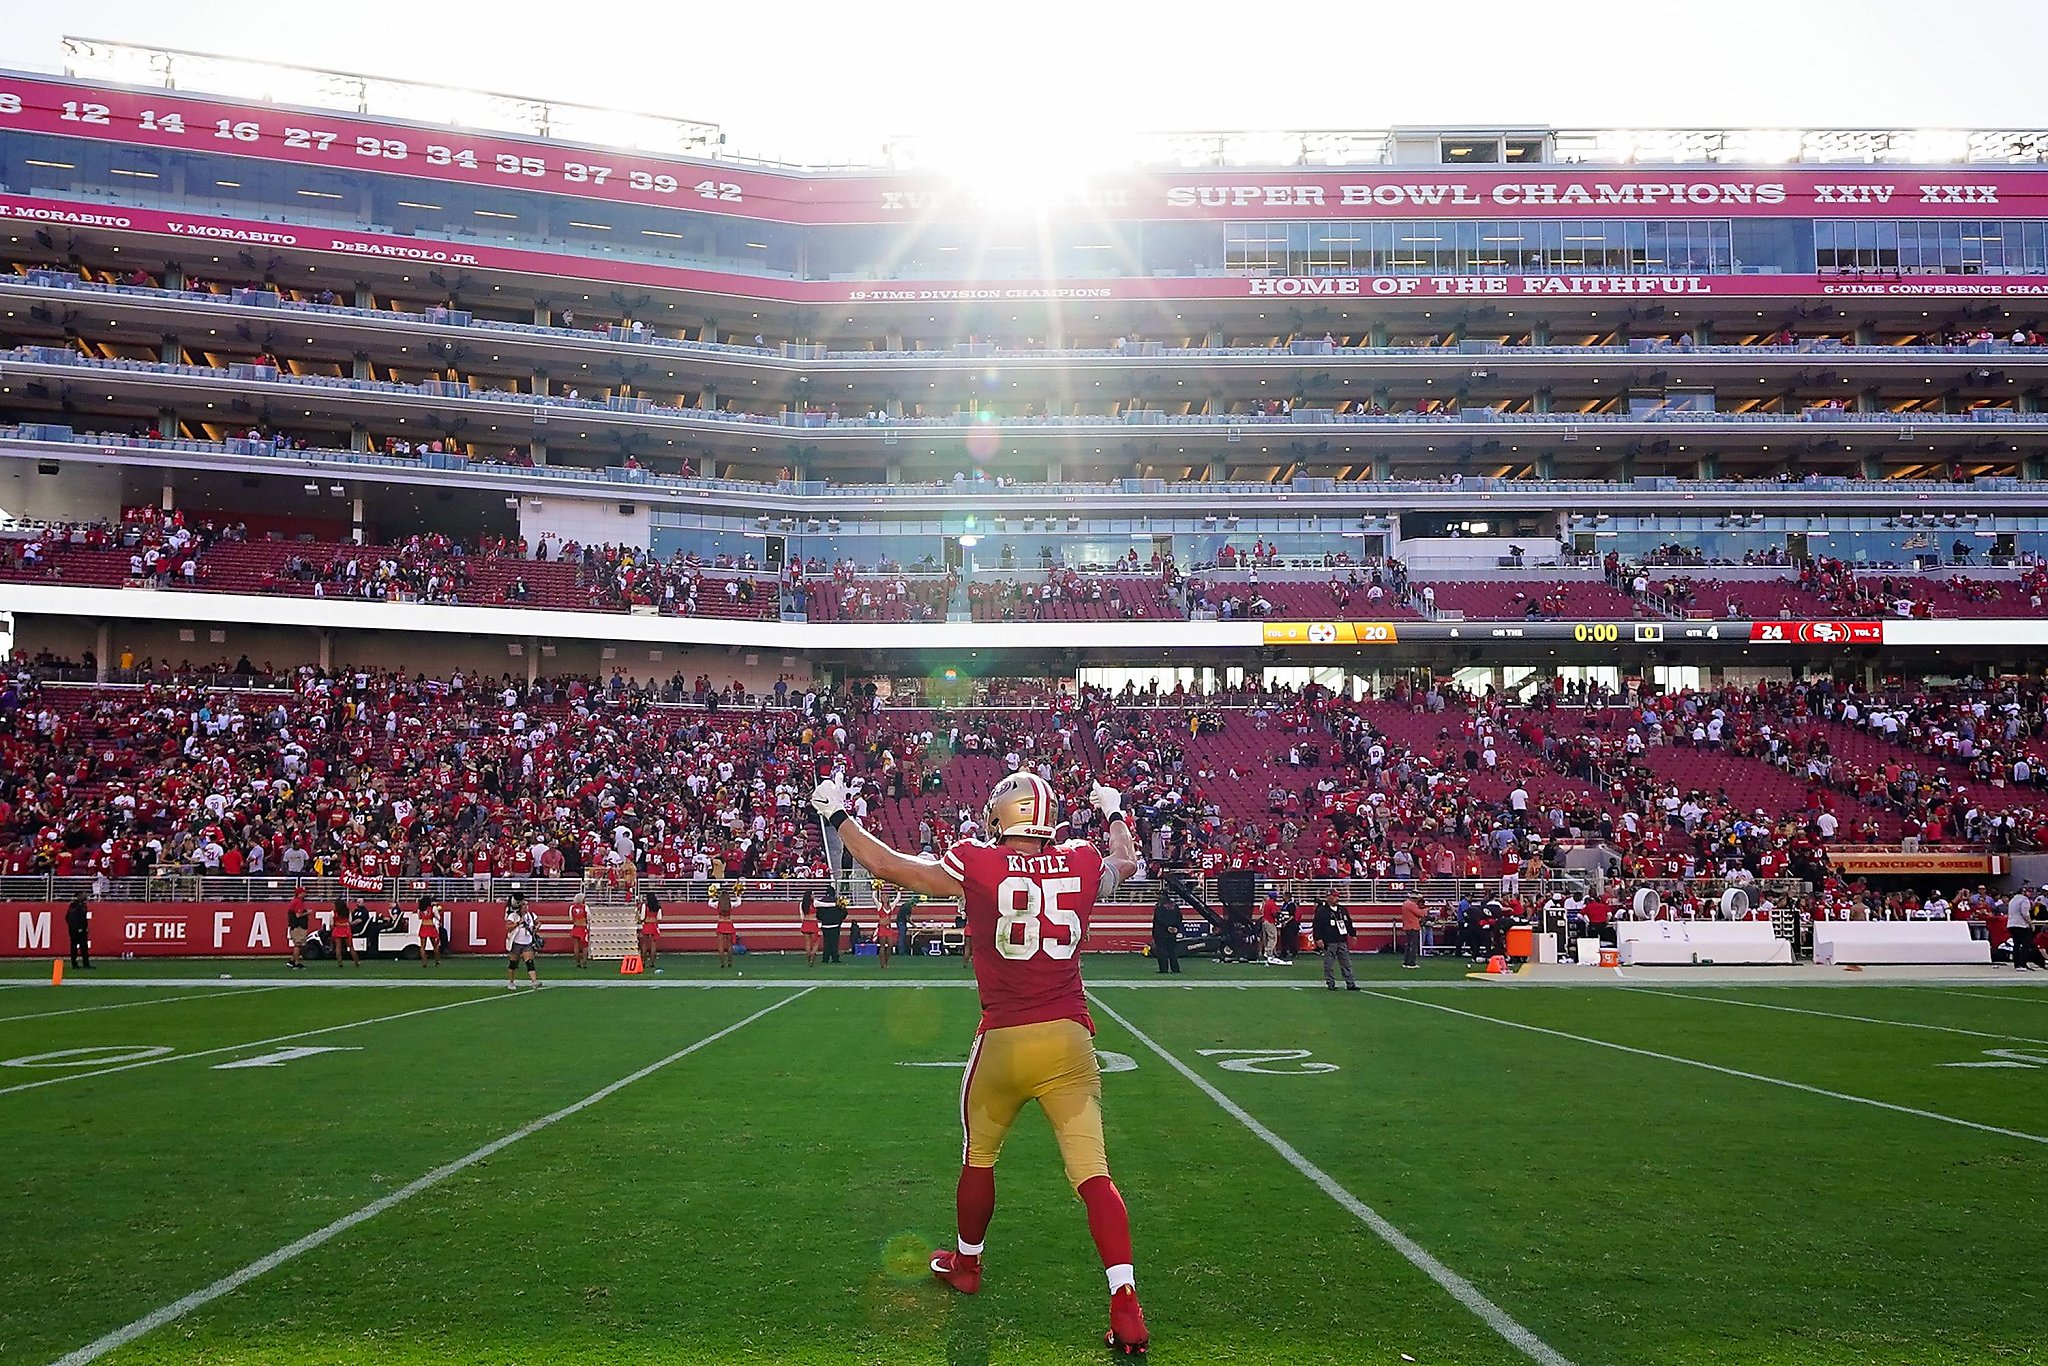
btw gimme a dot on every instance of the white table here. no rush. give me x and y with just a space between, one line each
1688 942
1897 941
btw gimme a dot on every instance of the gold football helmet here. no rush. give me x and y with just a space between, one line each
1022 804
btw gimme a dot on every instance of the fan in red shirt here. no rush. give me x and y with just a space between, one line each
1028 899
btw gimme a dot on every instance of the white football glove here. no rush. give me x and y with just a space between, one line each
828 797
1107 800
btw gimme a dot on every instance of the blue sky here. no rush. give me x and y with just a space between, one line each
811 81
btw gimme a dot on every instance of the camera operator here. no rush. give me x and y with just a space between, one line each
522 938
1287 931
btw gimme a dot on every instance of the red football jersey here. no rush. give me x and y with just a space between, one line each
1026 917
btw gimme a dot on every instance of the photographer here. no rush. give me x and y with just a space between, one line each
1287 932
522 938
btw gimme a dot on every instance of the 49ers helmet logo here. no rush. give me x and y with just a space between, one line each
1022 804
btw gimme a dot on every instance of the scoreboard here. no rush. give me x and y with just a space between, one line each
1617 633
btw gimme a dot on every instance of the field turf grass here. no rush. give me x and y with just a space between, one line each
771 1195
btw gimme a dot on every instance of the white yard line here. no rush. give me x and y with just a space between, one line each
124 1005
228 1284
1460 1289
2031 995
253 1043
1834 1015
1716 1067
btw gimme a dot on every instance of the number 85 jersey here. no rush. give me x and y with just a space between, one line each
1026 917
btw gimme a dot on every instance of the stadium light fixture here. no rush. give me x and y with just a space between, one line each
1764 146
1932 145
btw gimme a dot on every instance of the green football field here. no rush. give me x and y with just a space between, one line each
701 1169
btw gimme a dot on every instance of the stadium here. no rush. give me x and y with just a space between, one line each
1599 570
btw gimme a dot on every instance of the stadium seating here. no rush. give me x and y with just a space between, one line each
431 570
1064 595
880 597
1280 780
1517 599
1228 594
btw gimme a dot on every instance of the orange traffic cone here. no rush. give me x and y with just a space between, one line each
1496 964
57 973
630 966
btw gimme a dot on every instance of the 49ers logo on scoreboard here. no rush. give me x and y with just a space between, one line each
1816 632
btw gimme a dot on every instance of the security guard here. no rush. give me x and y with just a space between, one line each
77 925
1166 929
1333 940
831 916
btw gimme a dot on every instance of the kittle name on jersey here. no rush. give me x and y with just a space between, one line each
1033 864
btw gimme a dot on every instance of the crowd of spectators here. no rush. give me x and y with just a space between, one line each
1129 589
163 547
845 593
429 567
617 576
1914 597
381 774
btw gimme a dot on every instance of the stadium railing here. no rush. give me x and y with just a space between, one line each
798 356
63 438
27 359
321 891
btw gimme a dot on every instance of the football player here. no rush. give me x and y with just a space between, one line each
1028 899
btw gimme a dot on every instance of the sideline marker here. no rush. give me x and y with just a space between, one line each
630 966
57 972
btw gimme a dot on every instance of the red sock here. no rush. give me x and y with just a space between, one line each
1109 1223
975 1203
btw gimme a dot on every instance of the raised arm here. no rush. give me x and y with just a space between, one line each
1121 865
917 873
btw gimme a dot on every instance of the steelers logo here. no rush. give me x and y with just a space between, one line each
1321 633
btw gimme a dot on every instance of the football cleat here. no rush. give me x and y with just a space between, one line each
1126 1335
957 1269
